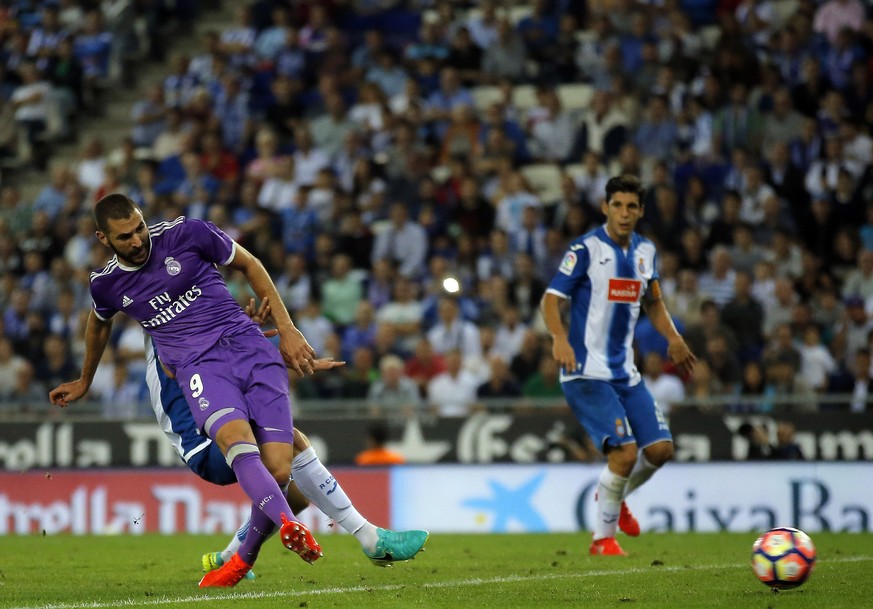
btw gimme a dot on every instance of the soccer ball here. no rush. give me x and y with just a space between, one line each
783 558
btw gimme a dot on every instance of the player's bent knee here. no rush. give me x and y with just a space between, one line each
239 449
301 442
658 454
622 459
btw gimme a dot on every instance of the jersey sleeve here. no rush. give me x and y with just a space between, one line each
210 241
102 309
571 271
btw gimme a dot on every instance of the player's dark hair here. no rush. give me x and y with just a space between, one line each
115 206
624 183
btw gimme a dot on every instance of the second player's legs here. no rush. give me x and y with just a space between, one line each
652 433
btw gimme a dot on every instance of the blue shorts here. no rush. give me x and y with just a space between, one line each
211 465
615 414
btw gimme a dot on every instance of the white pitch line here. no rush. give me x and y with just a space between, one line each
476 581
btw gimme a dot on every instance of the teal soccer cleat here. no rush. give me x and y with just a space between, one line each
396 546
213 560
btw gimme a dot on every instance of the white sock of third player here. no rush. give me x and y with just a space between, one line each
319 486
610 491
642 471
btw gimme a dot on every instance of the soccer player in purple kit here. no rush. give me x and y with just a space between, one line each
608 275
234 380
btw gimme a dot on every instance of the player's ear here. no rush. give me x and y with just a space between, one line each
604 206
102 238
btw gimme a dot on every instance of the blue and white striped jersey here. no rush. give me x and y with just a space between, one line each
605 285
170 408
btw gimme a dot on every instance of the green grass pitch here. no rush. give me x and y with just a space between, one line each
469 571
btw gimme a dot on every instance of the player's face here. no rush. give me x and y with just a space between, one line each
622 212
128 238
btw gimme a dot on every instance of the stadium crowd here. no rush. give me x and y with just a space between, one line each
367 151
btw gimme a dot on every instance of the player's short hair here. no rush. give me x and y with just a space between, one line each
115 206
624 183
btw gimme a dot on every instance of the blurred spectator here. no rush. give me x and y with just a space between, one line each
453 393
402 242
859 281
720 281
342 292
816 362
376 453
393 393
545 382
745 316
861 384
758 440
424 365
362 332
500 383
32 103
786 448
667 389
452 331
852 331
833 15
506 56
404 313
12 366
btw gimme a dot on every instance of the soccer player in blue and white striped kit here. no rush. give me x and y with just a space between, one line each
607 275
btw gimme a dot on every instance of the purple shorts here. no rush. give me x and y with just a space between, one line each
240 377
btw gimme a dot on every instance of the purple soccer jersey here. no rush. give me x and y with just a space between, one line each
178 296
223 364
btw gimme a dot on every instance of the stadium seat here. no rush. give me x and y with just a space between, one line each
517 13
440 173
484 96
576 96
524 97
575 170
544 179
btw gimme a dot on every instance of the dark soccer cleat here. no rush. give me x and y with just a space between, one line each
297 538
627 522
607 546
227 575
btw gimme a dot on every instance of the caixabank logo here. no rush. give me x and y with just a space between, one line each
807 503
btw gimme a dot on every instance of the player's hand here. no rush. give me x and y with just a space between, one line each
261 315
298 354
564 354
326 363
65 393
681 355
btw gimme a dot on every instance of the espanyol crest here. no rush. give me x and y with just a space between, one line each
173 265
642 265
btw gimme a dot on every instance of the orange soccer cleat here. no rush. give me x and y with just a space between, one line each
228 575
607 546
627 522
297 538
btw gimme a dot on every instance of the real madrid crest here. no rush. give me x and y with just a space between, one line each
173 265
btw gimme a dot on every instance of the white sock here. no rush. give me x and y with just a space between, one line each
642 471
319 486
237 539
610 490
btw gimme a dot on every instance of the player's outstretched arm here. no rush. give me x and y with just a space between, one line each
296 351
561 349
677 349
96 338
260 315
